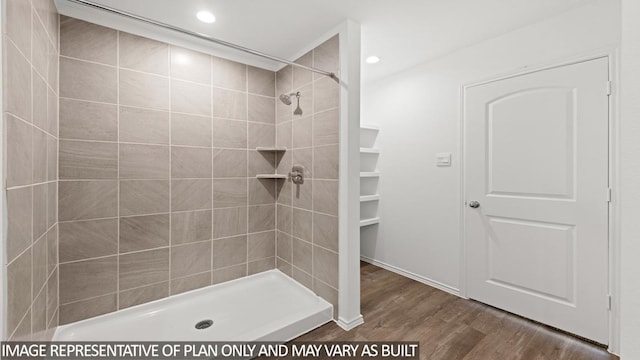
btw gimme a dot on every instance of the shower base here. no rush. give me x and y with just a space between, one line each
268 306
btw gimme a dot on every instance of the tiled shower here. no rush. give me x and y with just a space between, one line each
148 188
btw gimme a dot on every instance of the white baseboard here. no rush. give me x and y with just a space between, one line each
410 275
348 325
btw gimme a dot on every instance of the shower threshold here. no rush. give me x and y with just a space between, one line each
269 306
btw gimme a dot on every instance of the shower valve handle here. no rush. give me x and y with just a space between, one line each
297 174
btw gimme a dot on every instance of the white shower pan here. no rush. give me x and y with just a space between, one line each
268 306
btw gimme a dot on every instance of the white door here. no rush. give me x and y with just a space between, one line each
536 163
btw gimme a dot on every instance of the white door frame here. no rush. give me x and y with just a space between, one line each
614 176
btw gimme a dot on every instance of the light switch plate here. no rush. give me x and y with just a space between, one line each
443 159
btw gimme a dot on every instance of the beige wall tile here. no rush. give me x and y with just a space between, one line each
284 218
325 266
229 163
52 158
143 268
229 222
229 74
261 191
52 250
284 190
18 289
262 109
86 279
23 330
39 210
261 135
39 268
190 98
261 246
144 161
84 120
284 266
325 231
283 112
284 134
190 259
190 65
191 195
261 81
302 221
144 90
284 246
303 194
88 160
17 83
52 112
301 132
39 316
52 296
17 16
190 130
327 56
189 283
230 251
143 295
190 162
144 126
87 41
260 163
229 133
39 156
306 102
40 46
19 214
325 162
284 80
87 200
325 195
88 81
229 193
302 255
262 218
328 293
304 157
229 104
87 308
81 240
144 232
229 273
326 94
325 127
301 76
144 197
143 54
302 277
19 152
259 266
191 226
39 106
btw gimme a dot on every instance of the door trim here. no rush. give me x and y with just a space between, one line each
612 54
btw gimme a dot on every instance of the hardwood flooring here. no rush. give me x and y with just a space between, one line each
396 308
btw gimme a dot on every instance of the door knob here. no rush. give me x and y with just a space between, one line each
474 204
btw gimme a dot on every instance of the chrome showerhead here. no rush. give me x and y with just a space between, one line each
286 99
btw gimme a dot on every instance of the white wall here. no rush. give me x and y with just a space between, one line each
630 180
419 114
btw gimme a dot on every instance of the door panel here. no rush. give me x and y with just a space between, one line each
536 159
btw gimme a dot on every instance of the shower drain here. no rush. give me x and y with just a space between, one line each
201 325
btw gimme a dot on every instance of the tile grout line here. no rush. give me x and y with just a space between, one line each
117 170
169 50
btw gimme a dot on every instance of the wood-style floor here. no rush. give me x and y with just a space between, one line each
396 308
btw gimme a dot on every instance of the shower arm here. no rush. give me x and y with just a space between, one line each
201 36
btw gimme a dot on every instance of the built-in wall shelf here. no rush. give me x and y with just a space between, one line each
369 174
367 222
271 149
369 151
271 176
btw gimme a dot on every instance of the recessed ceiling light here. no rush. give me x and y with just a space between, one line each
373 59
206 17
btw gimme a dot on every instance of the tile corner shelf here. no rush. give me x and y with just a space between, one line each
271 149
369 127
367 198
271 176
369 151
367 222
369 174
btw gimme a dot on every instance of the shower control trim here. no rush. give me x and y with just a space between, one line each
297 174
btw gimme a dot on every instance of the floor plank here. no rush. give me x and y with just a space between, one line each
396 308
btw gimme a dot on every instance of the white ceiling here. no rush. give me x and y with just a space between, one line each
402 33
